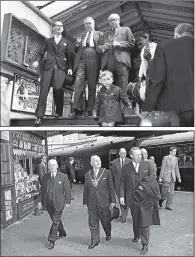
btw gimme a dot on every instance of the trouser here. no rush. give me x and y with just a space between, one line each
55 78
87 70
103 214
138 229
121 74
57 225
170 194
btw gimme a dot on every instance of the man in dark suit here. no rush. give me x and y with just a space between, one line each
132 175
70 172
55 195
99 197
41 169
116 171
57 64
87 66
116 46
171 83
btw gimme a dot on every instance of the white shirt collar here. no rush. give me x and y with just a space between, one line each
54 174
136 166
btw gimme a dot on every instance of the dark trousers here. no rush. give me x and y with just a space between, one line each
51 78
187 119
57 225
124 209
119 70
87 70
138 229
103 214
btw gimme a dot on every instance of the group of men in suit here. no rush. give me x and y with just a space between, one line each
95 51
134 182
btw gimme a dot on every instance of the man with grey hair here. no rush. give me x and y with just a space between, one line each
55 195
87 66
143 215
99 198
117 167
171 85
116 46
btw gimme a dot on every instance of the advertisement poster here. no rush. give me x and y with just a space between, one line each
8 205
25 95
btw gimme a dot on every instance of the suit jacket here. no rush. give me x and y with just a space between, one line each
171 84
116 173
41 170
125 37
60 54
62 193
169 169
104 191
127 181
70 172
97 38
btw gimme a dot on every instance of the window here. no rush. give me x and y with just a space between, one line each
6 172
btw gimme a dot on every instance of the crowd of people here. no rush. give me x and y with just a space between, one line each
105 58
132 182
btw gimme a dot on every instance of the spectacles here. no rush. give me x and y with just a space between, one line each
58 25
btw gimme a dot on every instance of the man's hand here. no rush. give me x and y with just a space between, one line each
106 46
179 180
115 43
74 180
129 106
68 205
69 72
122 200
139 79
112 205
140 187
160 180
94 114
85 206
35 64
39 206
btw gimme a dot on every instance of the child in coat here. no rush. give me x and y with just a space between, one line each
108 99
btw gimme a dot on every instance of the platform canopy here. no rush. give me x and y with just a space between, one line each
158 17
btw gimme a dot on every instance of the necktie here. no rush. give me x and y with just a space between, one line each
88 39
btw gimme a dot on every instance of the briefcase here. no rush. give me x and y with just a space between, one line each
164 189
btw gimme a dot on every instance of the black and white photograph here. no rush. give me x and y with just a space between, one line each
108 63
97 193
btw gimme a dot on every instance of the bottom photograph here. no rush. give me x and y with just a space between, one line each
97 193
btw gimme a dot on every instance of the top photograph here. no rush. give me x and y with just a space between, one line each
97 63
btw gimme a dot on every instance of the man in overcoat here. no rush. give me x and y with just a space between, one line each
132 175
98 197
171 83
56 195
168 174
117 167
57 64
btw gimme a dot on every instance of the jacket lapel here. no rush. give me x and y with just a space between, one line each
53 42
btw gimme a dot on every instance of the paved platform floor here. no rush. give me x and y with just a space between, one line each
174 237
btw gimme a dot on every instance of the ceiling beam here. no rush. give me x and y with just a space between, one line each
143 23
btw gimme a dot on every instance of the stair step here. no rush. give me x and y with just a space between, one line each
130 121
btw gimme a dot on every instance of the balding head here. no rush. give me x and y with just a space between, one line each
184 29
122 153
95 161
89 24
52 165
114 20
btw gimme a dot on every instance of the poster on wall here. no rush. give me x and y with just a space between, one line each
25 95
8 205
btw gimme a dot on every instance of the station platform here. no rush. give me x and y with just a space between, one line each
130 121
174 237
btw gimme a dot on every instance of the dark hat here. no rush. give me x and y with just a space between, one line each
69 80
138 196
115 213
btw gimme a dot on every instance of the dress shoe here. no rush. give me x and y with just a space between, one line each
38 121
123 220
168 208
135 239
51 245
108 238
160 202
57 116
91 246
88 114
60 236
144 248
72 198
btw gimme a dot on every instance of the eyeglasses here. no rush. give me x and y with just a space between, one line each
59 26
